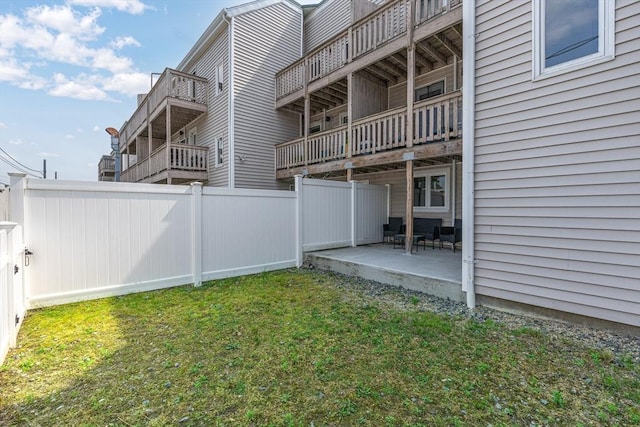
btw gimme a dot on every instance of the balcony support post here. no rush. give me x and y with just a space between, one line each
411 71
350 139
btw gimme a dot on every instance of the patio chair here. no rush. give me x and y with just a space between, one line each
392 228
427 229
452 235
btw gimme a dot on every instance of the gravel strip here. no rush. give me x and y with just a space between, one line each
404 299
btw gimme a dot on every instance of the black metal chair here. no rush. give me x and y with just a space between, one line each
392 228
452 235
428 229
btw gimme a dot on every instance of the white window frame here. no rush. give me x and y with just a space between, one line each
343 119
219 75
192 138
219 152
606 41
435 82
427 174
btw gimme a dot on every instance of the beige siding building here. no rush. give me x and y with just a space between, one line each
557 160
212 118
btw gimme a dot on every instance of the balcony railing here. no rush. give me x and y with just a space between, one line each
434 120
189 158
107 163
171 84
374 30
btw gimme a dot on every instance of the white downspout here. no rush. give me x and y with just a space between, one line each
468 149
230 110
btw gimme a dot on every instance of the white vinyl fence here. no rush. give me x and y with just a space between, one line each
12 302
90 240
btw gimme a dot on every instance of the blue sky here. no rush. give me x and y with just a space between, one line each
71 68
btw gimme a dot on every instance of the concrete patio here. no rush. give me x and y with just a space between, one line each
432 271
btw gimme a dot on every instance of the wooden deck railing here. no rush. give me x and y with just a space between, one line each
374 30
181 157
436 119
171 83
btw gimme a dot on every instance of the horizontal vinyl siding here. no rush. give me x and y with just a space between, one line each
557 171
398 187
214 123
265 41
398 93
332 17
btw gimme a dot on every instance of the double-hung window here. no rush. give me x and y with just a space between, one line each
431 190
568 35
218 152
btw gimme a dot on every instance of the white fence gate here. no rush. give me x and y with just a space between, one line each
12 301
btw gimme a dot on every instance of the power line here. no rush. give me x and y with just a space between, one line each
571 47
12 158
18 167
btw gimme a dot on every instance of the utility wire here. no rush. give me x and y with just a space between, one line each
18 167
12 158
571 47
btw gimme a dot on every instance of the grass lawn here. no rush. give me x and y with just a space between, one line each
289 348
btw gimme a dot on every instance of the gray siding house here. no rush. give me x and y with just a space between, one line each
554 159
212 118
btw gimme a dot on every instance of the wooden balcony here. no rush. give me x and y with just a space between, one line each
182 163
106 168
185 94
367 41
378 140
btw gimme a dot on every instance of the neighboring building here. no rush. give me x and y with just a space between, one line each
212 118
371 71
107 168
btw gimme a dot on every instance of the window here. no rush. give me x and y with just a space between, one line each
429 91
431 190
218 152
219 79
315 127
344 118
571 35
193 133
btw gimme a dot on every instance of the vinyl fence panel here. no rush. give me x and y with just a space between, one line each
247 231
326 219
370 213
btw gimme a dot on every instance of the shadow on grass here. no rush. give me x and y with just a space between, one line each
289 348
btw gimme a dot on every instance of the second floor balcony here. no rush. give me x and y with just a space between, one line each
180 163
185 94
377 140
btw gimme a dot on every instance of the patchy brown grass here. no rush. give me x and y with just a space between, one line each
288 348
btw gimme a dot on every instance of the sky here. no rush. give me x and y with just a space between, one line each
71 68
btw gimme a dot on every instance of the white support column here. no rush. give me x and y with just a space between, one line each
388 200
453 191
298 233
196 232
168 138
17 185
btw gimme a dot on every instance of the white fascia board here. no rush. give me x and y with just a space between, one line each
259 4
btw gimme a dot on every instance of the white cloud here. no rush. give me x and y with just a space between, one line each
96 128
134 7
69 136
11 70
108 60
16 141
81 88
3 125
128 83
65 20
47 154
120 42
